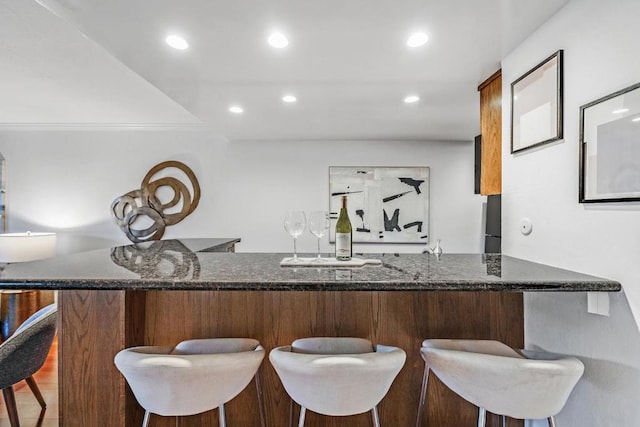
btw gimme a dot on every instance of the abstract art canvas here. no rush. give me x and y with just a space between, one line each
385 204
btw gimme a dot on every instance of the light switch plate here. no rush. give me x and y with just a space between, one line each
598 303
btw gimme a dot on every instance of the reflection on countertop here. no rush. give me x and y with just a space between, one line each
160 259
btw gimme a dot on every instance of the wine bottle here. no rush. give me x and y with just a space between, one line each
343 233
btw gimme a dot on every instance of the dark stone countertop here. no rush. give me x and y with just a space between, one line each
193 264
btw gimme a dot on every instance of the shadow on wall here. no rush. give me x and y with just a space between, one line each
602 377
70 243
608 347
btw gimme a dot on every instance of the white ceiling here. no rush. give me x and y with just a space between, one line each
347 63
51 74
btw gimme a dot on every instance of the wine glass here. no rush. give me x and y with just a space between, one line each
295 223
318 226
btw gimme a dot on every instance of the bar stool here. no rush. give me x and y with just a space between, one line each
193 377
337 376
496 378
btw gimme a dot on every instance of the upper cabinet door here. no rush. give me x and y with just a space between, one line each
491 130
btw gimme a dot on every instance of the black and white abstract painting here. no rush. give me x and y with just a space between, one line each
385 204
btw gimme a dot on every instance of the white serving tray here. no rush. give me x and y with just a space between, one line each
328 262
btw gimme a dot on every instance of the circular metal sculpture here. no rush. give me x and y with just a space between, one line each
145 203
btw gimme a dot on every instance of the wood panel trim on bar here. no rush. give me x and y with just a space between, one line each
91 391
94 326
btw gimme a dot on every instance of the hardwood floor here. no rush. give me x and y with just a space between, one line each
29 411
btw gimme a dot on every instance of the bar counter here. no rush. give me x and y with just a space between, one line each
204 264
164 292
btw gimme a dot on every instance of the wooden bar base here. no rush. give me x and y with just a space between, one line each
17 306
95 325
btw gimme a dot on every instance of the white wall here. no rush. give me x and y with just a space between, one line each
599 39
66 179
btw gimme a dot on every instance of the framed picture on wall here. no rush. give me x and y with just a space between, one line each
385 204
536 105
610 148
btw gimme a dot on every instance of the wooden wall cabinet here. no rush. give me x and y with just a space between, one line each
491 131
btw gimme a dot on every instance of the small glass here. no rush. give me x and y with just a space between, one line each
295 222
318 226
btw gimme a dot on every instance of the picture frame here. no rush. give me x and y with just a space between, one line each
610 148
536 105
385 204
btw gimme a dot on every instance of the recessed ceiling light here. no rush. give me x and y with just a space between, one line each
177 42
278 40
289 99
620 111
236 109
417 39
411 99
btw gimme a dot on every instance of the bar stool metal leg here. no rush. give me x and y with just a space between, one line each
290 412
423 395
374 417
504 421
303 411
222 418
260 401
482 417
551 421
145 420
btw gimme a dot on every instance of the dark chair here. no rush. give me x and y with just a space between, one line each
23 354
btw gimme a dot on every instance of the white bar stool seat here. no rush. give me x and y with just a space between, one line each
193 377
496 378
337 376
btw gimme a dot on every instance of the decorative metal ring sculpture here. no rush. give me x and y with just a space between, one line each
129 208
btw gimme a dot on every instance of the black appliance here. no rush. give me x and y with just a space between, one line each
492 233
477 164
